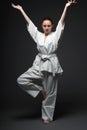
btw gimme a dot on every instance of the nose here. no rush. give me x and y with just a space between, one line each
47 27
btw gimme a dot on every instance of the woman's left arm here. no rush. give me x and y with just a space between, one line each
70 2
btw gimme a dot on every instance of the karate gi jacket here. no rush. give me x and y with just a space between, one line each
46 60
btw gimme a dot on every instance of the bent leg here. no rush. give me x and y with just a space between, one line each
31 81
48 104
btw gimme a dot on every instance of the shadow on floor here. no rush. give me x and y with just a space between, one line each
33 111
61 110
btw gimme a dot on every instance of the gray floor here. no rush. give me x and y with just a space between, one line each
67 117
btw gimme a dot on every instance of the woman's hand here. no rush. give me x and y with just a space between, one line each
70 2
18 7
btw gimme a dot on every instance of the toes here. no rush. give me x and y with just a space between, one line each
46 121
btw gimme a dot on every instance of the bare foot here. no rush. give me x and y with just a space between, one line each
46 121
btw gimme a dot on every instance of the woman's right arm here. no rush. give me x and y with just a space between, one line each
32 29
18 7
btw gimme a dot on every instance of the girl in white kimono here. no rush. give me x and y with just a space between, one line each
43 75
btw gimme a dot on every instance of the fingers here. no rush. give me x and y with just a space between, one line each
13 5
72 1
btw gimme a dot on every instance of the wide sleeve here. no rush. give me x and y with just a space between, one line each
59 31
33 31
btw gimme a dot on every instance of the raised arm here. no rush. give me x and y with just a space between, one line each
18 7
69 2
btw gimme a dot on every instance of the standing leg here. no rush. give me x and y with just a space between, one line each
48 104
30 81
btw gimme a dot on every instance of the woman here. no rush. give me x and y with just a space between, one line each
43 75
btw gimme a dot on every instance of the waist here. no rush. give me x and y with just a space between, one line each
47 56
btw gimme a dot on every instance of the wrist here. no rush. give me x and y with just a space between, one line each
66 5
21 10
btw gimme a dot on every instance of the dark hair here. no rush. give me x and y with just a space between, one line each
47 18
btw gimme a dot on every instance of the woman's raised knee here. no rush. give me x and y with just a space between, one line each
19 80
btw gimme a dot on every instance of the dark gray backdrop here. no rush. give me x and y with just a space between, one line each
18 51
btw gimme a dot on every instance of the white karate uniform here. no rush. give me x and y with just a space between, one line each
45 69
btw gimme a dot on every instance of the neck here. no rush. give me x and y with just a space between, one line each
46 34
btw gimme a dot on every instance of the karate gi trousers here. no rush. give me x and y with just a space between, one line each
33 82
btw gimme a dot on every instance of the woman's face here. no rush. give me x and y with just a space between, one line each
47 26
